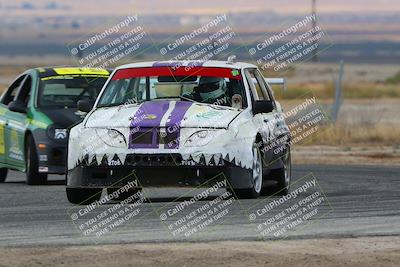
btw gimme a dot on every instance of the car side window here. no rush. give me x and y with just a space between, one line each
256 80
266 88
257 83
24 91
12 90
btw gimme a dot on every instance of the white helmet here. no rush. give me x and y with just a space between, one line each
211 88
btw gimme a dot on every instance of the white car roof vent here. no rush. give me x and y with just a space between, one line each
231 59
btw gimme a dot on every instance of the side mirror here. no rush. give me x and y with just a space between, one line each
262 106
85 105
17 106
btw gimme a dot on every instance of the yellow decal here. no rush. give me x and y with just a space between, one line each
3 111
15 151
81 71
14 137
37 123
72 76
2 146
150 117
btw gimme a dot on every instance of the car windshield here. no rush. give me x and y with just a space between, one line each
67 91
218 86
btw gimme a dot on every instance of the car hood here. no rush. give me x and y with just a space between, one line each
161 113
63 117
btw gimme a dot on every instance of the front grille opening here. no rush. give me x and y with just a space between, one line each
100 174
154 159
142 137
57 154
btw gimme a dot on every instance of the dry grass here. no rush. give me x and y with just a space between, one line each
360 90
346 135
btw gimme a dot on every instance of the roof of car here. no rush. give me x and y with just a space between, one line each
209 63
66 71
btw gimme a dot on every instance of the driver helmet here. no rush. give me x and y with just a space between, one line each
211 88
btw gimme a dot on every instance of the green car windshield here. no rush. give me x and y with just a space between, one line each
66 91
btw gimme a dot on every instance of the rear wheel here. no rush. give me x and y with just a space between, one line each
83 196
257 176
3 174
33 176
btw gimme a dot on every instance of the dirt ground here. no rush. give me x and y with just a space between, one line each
345 155
363 251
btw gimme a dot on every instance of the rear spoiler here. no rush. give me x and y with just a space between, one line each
277 81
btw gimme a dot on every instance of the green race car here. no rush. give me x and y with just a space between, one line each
35 112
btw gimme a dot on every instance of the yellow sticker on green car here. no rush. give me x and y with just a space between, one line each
37 123
63 77
81 71
2 111
2 146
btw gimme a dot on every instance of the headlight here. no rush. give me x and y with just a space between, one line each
200 138
56 133
112 137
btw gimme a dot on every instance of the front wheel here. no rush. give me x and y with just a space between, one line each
83 196
33 176
3 174
257 176
283 175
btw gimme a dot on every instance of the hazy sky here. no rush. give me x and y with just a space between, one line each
97 7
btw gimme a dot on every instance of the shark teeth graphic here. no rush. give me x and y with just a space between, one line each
202 160
220 159
122 157
212 161
226 158
196 157
104 160
99 158
186 157
208 158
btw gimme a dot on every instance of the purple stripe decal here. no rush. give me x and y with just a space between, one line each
147 121
173 125
147 118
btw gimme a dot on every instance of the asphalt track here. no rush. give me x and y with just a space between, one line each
358 201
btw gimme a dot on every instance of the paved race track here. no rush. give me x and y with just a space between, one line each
358 201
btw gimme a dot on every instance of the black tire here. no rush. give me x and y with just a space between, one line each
257 170
123 195
3 174
33 176
283 175
83 196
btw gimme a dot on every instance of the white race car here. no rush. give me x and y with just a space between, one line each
180 124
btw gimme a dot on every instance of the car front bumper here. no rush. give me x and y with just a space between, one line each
156 170
52 159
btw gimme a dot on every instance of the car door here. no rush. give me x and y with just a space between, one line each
6 98
266 122
16 125
281 133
